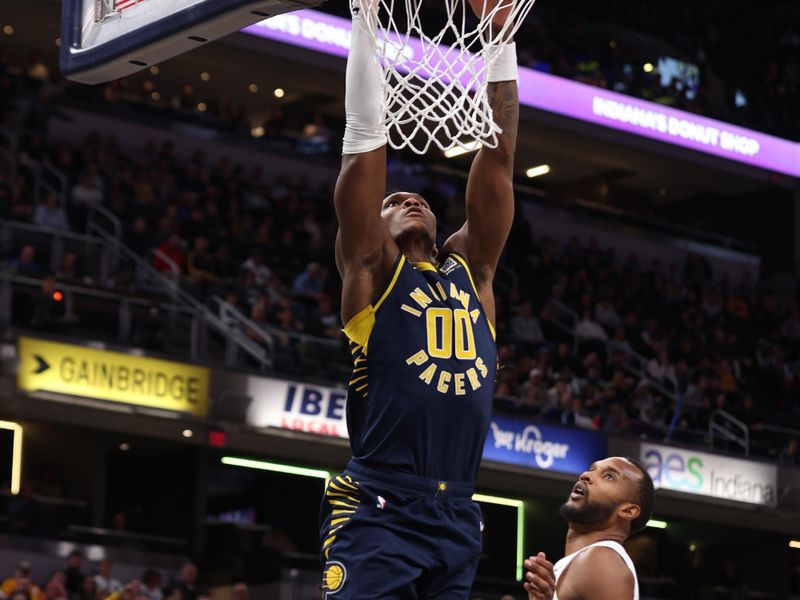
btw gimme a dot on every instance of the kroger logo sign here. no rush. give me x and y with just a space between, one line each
519 442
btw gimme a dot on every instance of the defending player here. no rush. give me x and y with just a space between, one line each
400 522
610 501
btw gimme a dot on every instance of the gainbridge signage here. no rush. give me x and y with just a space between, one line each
89 373
299 406
710 475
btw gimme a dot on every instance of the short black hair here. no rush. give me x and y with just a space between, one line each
646 496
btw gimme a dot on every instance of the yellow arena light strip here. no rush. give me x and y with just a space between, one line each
275 467
794 544
656 524
520 506
16 454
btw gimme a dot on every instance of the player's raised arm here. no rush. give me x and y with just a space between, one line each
490 192
362 180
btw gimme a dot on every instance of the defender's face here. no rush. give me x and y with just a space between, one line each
600 490
408 214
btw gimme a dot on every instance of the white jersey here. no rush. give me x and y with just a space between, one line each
562 564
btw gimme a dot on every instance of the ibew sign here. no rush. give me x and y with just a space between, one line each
710 475
519 442
298 406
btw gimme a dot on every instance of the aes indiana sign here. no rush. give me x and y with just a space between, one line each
710 475
298 406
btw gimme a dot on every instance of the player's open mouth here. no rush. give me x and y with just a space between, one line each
579 491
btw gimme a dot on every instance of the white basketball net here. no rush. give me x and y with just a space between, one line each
436 92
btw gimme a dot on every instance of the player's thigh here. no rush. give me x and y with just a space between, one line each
460 550
367 561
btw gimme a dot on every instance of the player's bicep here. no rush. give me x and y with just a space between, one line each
357 199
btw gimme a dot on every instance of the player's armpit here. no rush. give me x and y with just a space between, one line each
592 566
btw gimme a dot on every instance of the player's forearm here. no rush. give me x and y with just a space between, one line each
502 73
504 101
365 128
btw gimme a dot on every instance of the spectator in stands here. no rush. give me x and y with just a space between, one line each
241 592
173 593
71 270
661 369
328 319
533 393
606 314
255 265
310 283
138 237
790 455
173 250
21 203
589 329
188 582
619 343
89 189
51 214
26 263
87 591
56 587
129 592
526 329
151 585
21 583
200 264
106 583
73 575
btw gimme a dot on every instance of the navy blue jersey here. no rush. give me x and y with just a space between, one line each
424 362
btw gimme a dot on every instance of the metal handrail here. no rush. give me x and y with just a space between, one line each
226 308
171 285
171 264
50 169
635 365
84 290
719 428
109 216
64 233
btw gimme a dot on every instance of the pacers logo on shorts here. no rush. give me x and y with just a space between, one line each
333 578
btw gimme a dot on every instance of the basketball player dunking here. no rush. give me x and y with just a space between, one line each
399 522
611 500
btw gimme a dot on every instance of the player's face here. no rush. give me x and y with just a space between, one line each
600 491
408 214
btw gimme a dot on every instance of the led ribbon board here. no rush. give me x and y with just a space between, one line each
331 35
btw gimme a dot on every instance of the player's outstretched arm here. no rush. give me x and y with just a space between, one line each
490 192
362 238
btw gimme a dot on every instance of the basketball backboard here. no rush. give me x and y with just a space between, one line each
103 40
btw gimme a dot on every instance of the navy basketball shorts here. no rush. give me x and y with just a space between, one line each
392 536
